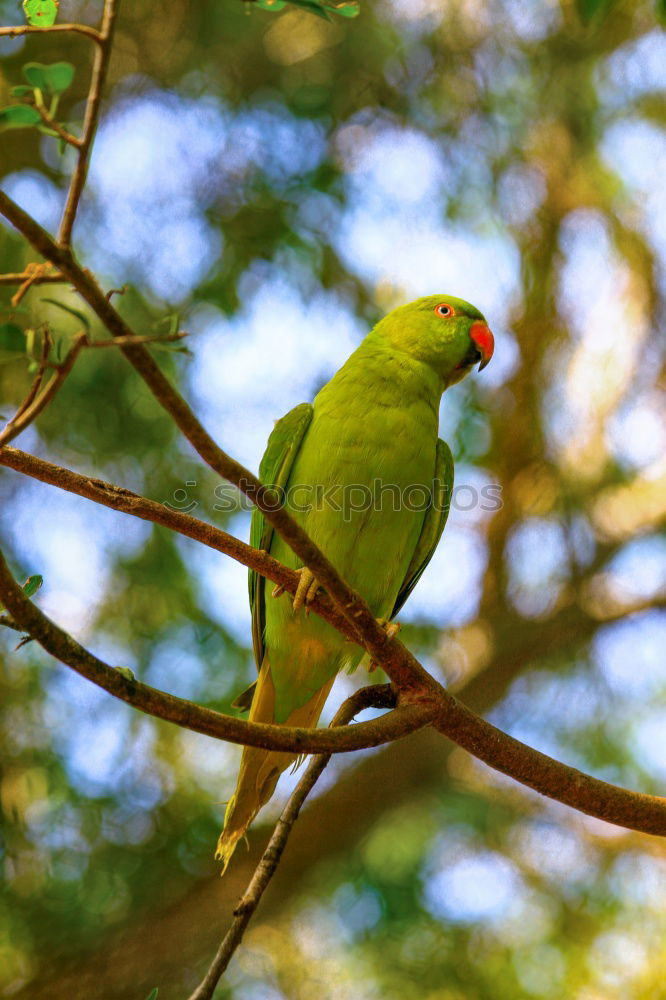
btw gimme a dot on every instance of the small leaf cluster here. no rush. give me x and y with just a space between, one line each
43 89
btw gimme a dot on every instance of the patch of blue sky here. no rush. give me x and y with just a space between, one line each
639 879
531 22
222 582
419 256
629 655
70 549
277 351
635 69
160 161
639 569
448 592
37 195
648 741
636 149
541 707
212 764
175 668
10 13
282 146
555 852
586 274
636 433
96 749
537 563
415 17
480 887
150 186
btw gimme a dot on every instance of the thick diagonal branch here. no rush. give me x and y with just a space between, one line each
65 648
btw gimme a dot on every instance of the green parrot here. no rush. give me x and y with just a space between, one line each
363 472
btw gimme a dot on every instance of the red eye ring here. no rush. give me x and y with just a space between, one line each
444 309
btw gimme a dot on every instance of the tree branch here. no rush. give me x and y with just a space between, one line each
104 40
378 697
123 500
63 647
633 810
27 29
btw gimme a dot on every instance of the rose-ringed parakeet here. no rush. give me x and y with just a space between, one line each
365 475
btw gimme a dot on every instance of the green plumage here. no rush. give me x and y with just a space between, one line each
366 476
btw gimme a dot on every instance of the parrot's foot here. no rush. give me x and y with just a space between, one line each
391 629
306 590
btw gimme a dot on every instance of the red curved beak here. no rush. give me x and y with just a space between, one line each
480 334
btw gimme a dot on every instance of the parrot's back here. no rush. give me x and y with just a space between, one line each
360 486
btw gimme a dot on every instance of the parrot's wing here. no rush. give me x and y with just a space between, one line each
433 525
274 470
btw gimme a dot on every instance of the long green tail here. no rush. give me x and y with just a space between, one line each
260 769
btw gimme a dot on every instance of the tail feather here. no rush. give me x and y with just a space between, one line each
260 769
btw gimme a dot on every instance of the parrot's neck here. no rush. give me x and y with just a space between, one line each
378 375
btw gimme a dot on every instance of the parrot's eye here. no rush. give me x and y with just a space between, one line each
443 309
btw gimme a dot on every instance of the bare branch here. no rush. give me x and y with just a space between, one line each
123 500
379 697
104 39
27 29
186 714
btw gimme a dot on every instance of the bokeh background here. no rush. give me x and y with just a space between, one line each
278 182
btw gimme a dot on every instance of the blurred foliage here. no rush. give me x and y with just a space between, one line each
275 138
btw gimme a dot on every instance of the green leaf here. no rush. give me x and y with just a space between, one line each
21 91
32 584
40 13
70 309
54 78
152 995
593 9
12 342
19 116
273 5
661 10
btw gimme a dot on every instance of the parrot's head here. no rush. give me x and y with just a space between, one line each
446 333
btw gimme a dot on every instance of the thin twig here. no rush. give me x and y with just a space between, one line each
27 29
33 274
26 417
379 697
20 278
71 140
158 338
99 71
